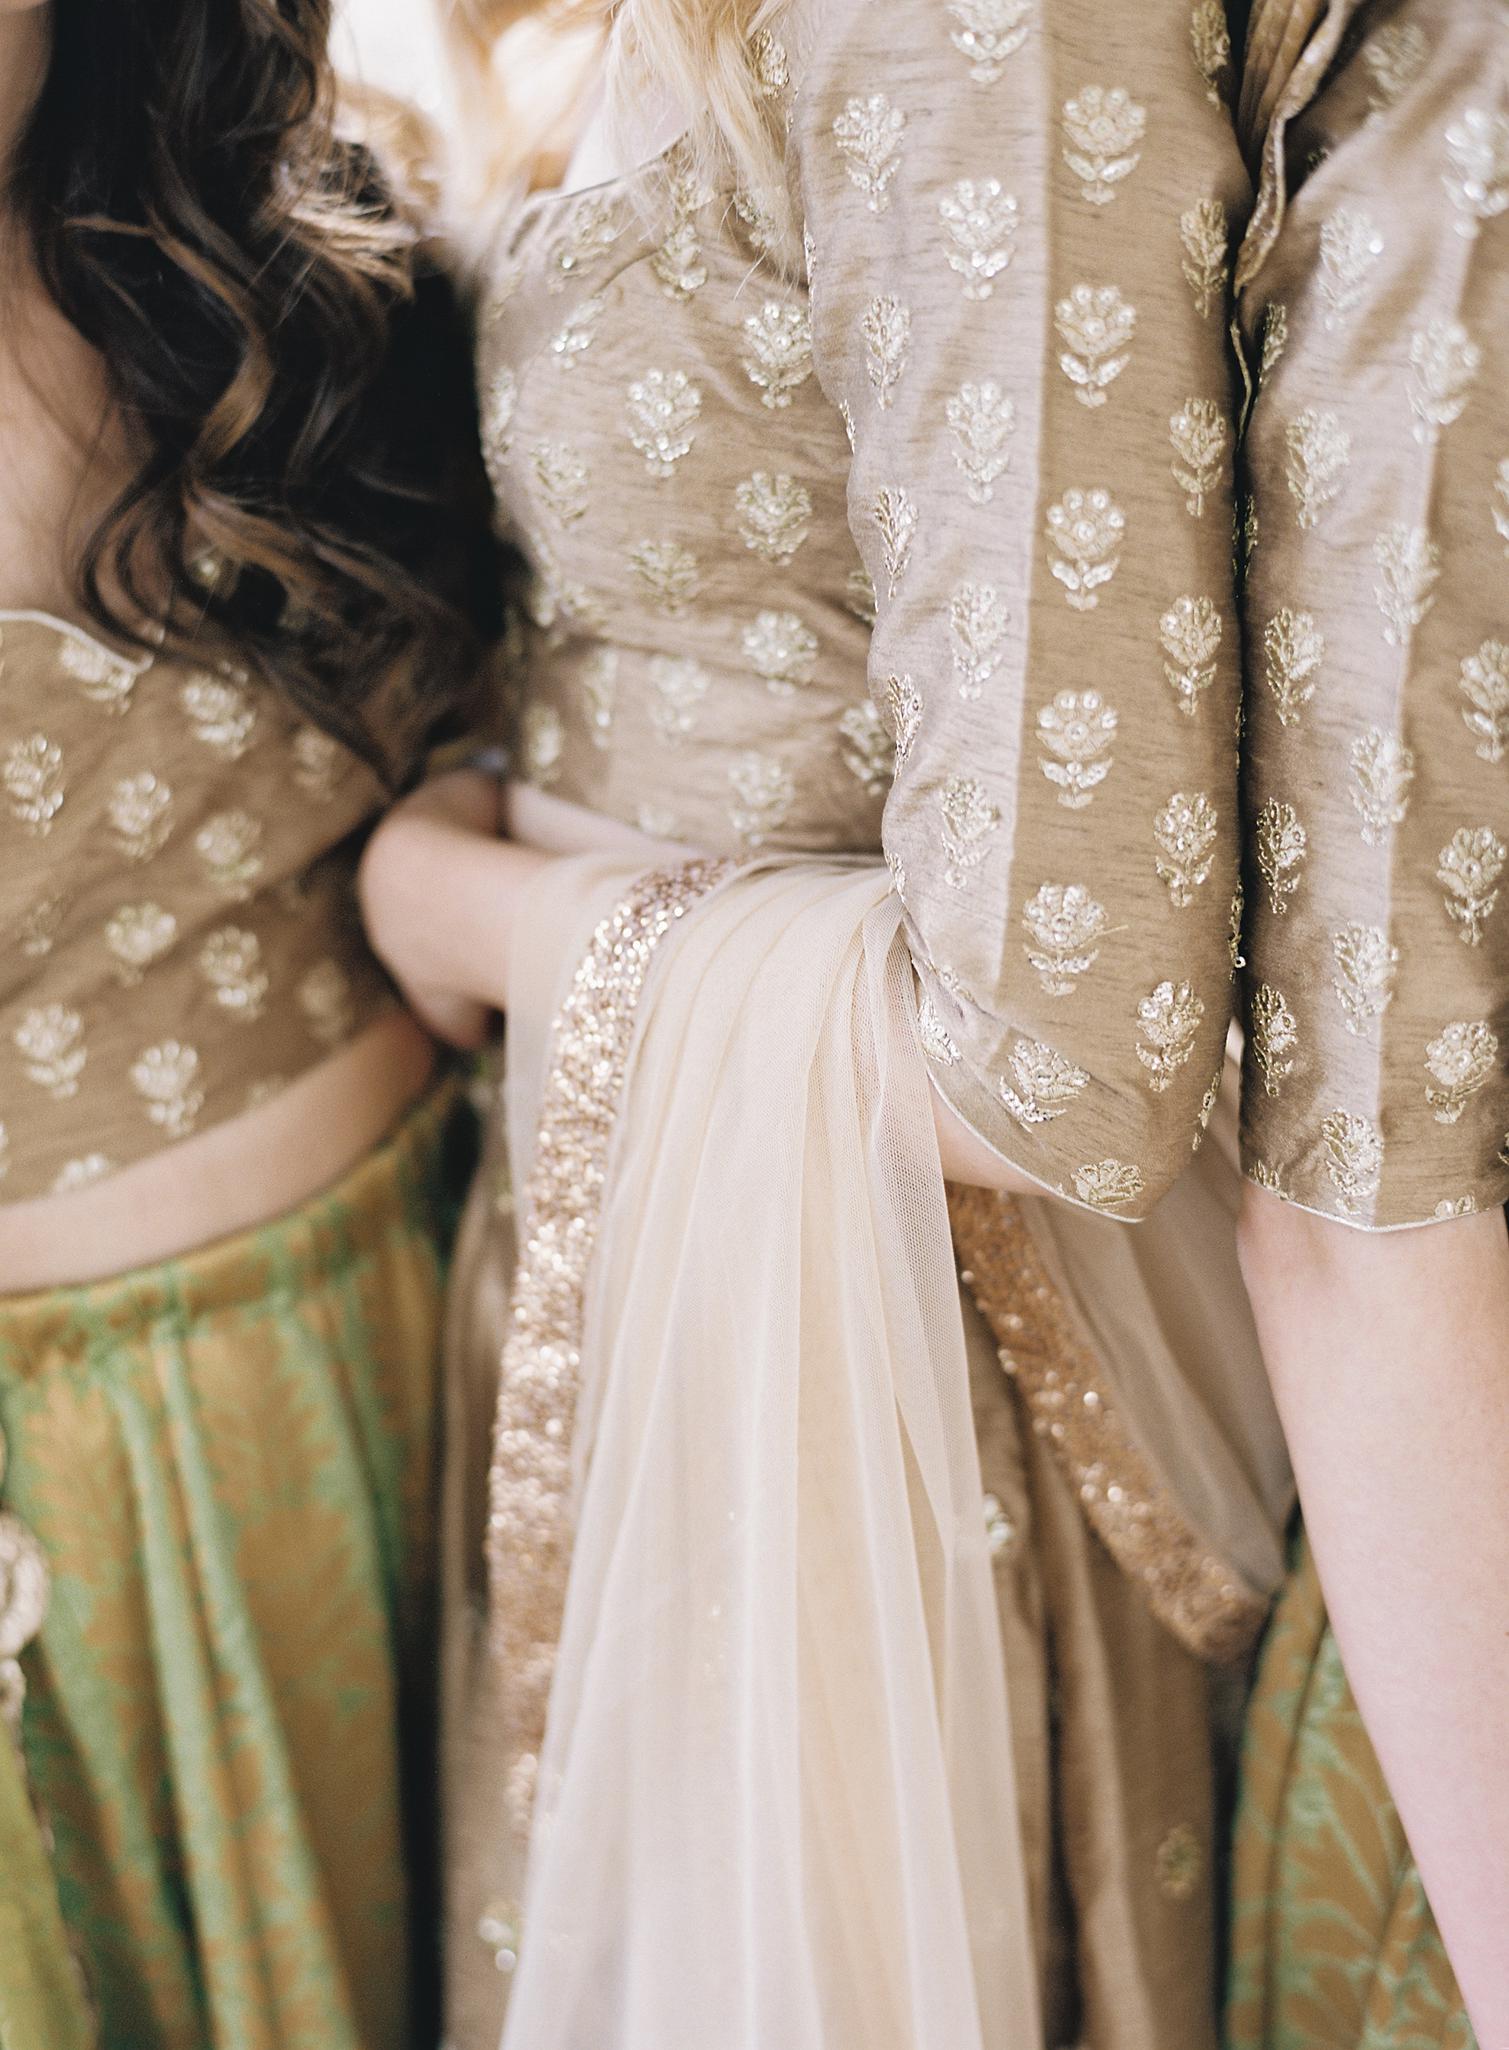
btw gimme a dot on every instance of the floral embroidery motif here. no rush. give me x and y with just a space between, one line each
903 706
980 221
772 65
1103 136
1410 563
1085 533
989 32
222 714
1170 1017
577 332
1273 1035
1444 361
39 927
664 407
679 686
1485 685
982 419
1185 835
316 762
887 330
766 794
969 819
1319 451
782 650
1366 962
50 1040
324 997
138 935
1096 325
895 515
677 263
1353 1155
1281 848
775 514
1350 247
1198 433
977 624
33 778
564 480
1077 730
542 741
778 352
499 404
1275 335
1042 1084
1477 177
1108 1184
936 1040
599 692
668 574
1469 869
229 846
1205 234
1064 925
107 679
166 1077
1459 1061
1395 57
1190 633
867 750
1383 769
140 815
1293 650
1179 1866
231 963
1211 41
868 133
859 595
588 237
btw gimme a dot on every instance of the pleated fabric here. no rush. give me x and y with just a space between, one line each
228 1462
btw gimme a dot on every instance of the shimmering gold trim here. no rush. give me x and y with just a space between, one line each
529 1482
1190 1591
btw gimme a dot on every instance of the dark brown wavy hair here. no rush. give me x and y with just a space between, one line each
307 494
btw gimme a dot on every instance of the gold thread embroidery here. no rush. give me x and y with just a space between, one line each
529 1480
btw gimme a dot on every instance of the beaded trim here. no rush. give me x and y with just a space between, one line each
1191 1591
529 1481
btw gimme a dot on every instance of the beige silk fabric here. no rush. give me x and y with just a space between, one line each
1374 305
178 929
926 549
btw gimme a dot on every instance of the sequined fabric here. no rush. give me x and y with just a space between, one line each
925 550
1374 307
178 935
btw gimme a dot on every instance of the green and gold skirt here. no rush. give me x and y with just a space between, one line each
214 1830
1333 1943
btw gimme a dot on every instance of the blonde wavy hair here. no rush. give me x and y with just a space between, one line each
703 54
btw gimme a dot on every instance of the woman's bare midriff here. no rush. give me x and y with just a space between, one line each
242 1173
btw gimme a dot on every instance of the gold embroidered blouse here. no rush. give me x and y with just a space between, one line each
1374 305
923 544
178 930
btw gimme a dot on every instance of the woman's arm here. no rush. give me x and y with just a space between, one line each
1377 794
1389 1357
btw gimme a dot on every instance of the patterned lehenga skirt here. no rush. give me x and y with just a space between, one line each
214 1820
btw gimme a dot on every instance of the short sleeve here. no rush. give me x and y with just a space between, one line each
1376 771
1019 219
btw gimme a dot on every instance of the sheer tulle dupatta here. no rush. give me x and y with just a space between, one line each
775 1806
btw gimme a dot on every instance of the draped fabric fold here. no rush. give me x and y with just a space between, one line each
776 1801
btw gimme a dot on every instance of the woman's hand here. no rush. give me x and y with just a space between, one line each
437 888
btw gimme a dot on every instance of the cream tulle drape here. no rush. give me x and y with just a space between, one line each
776 1802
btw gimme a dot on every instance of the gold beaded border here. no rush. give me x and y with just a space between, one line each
1190 1590
530 1527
